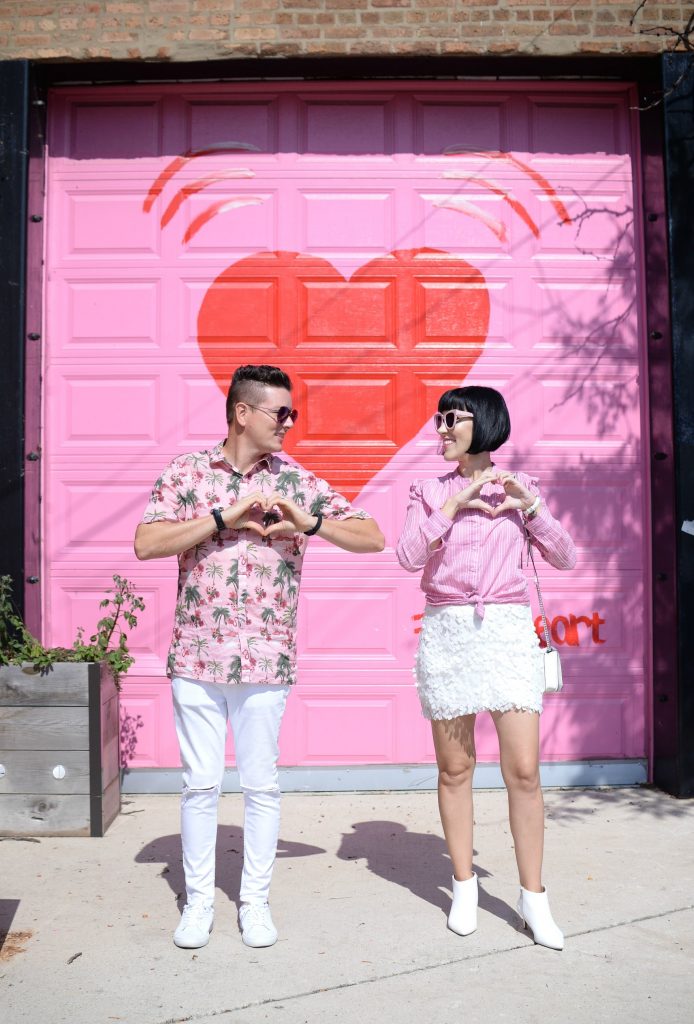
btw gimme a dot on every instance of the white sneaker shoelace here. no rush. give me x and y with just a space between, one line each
193 912
195 926
257 926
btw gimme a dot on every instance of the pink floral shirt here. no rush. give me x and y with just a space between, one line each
235 619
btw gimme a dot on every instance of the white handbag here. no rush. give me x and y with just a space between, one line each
550 655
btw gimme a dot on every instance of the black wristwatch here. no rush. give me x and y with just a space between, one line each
217 515
316 528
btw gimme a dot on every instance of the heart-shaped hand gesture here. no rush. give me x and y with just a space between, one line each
517 496
292 519
238 515
469 497
279 515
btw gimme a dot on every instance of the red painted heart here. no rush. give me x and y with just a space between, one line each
368 356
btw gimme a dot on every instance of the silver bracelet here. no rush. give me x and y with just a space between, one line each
531 512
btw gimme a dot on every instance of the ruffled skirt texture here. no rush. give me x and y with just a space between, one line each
466 664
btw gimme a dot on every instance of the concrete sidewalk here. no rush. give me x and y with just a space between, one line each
360 896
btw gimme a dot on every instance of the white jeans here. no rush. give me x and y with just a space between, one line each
201 712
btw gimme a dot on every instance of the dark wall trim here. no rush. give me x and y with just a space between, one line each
677 769
662 465
14 131
336 68
36 202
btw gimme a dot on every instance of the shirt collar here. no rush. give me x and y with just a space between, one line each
217 458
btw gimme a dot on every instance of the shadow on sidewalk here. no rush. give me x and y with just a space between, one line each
417 861
8 909
565 807
229 862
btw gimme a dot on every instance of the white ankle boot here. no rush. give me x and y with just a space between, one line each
533 907
463 916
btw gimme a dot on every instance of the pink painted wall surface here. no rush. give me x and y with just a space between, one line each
350 174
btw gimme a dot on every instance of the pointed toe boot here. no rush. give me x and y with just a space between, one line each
533 907
462 918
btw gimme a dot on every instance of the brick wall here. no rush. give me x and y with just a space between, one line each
207 29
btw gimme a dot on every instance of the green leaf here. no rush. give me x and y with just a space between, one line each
108 644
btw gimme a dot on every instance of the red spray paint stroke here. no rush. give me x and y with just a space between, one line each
498 190
180 162
222 206
461 205
534 175
198 186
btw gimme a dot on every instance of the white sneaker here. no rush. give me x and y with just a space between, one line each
195 926
257 928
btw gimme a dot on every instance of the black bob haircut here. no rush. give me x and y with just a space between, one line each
491 425
248 382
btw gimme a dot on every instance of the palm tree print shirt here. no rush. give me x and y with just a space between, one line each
235 619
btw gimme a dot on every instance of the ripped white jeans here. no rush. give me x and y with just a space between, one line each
201 713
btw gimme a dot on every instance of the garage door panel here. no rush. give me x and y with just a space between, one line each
255 301
77 604
333 727
344 219
444 122
604 519
253 123
117 211
605 724
254 227
147 733
596 625
589 412
592 311
562 125
333 127
102 313
89 410
101 131
95 513
602 225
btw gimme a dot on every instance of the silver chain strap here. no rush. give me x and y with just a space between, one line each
545 627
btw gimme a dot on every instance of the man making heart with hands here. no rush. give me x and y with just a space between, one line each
278 515
238 518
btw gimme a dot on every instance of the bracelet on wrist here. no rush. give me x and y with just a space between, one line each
531 511
316 528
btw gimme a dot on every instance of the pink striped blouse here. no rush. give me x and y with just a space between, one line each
479 559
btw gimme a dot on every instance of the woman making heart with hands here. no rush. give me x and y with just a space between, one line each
478 650
517 496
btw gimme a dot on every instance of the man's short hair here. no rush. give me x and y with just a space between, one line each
491 425
248 382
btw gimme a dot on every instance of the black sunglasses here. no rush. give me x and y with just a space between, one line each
280 415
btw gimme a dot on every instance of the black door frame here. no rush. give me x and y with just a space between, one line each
674 699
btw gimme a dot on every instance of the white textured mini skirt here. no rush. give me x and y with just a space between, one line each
466 664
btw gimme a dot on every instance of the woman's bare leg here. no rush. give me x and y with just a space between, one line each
519 749
454 742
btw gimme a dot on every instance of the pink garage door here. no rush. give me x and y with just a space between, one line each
381 242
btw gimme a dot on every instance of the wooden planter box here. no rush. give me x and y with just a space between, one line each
59 750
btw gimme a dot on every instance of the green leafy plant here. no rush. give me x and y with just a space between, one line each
108 644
